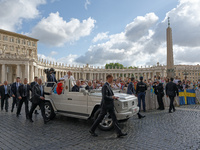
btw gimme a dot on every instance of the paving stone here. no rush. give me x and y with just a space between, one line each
159 130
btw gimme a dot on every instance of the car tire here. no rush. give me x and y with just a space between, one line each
49 112
106 124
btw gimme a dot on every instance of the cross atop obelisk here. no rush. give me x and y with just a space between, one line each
170 57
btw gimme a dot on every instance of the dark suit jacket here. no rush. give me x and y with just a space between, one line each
14 89
171 89
51 78
37 93
22 90
33 84
107 93
159 90
130 89
75 88
2 91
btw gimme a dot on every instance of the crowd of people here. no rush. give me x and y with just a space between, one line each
23 92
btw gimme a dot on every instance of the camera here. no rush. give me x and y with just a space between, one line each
47 71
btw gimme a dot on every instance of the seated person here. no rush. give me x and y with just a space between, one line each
83 85
76 87
89 86
60 87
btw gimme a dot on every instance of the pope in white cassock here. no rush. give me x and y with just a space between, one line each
69 76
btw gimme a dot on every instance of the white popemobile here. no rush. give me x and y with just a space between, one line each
86 105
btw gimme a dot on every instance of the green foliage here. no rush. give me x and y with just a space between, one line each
118 66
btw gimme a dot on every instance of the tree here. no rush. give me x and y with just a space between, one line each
118 66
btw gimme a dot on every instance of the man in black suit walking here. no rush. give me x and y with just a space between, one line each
23 97
32 85
171 92
5 92
15 86
38 99
107 105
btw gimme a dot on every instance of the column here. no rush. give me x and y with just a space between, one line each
32 73
104 77
97 76
145 75
36 72
18 71
3 73
27 71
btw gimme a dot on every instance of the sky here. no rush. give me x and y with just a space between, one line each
96 32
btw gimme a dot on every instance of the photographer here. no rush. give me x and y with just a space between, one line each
50 77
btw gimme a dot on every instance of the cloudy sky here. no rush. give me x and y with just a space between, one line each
97 32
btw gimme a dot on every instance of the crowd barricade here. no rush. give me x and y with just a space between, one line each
187 97
197 97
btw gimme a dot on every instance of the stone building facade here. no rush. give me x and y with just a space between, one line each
18 58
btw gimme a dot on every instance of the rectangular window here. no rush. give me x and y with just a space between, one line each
24 42
5 38
12 48
0 36
5 47
11 39
18 41
33 43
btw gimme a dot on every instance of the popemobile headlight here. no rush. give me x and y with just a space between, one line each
125 105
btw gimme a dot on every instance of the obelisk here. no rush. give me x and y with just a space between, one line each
170 57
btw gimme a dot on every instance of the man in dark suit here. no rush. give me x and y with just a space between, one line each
159 91
15 86
107 105
5 92
131 91
32 85
171 92
51 78
23 97
89 87
38 99
140 91
76 87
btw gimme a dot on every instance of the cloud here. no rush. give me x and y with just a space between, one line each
140 26
14 12
68 59
48 58
87 2
53 53
143 41
55 31
100 37
123 47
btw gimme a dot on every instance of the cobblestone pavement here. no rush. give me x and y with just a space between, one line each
158 131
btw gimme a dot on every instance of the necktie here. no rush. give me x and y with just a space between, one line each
41 90
25 90
6 91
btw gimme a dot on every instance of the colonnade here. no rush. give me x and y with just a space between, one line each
29 69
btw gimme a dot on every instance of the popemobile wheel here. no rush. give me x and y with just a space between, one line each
107 123
49 112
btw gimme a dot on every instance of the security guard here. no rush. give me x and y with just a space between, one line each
140 91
